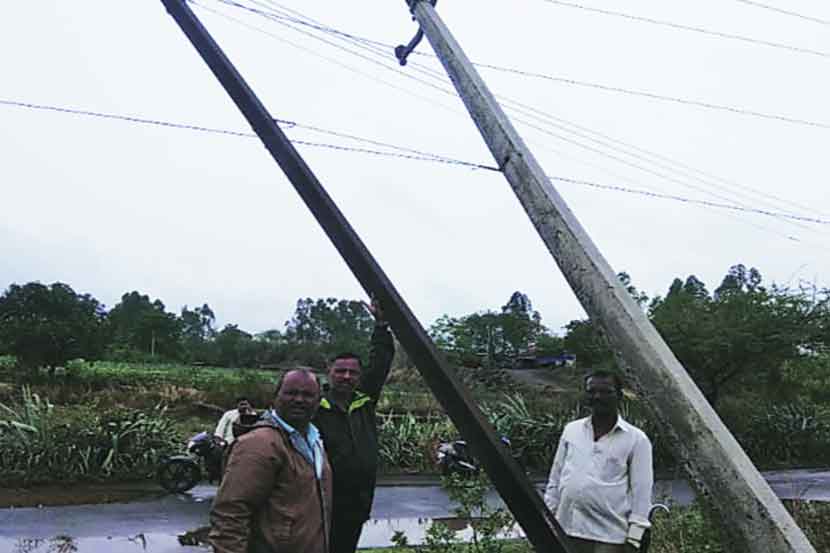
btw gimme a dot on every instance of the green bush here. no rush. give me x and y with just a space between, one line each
534 429
789 434
488 525
7 362
408 443
688 530
684 530
534 435
41 443
807 377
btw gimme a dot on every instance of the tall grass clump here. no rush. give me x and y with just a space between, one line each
7 363
407 442
42 443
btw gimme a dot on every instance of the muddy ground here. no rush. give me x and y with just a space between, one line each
79 494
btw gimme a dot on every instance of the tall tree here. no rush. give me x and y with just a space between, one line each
331 326
235 347
495 337
584 339
743 329
197 331
141 326
48 325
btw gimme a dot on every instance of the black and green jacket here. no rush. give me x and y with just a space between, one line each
350 436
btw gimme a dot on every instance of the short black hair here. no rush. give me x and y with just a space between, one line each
242 398
307 372
348 355
606 373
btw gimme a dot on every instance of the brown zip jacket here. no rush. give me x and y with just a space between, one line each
269 500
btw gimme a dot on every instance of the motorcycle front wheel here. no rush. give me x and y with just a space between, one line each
178 475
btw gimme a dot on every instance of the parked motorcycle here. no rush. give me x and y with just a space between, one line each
455 457
179 473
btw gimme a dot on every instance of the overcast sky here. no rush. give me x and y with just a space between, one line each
190 217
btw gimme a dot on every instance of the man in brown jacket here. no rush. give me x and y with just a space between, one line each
275 495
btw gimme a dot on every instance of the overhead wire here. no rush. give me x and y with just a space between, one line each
329 59
683 169
785 12
691 28
385 48
379 48
373 48
656 96
402 152
311 23
416 155
677 198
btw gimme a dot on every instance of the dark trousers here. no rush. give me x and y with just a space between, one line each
345 533
588 546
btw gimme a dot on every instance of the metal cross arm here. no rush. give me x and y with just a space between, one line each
402 52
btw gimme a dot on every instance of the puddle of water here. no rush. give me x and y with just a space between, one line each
140 543
379 532
376 533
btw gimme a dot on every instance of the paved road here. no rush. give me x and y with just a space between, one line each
152 526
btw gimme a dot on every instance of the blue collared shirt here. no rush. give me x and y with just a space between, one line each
309 446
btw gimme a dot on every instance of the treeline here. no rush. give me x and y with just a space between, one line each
47 325
742 328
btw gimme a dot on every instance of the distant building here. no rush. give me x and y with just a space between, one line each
546 361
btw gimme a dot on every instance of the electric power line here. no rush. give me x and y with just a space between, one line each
785 12
311 23
401 152
127 118
322 56
692 28
428 157
687 200
656 96
370 45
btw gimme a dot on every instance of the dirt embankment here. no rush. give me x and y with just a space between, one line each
79 494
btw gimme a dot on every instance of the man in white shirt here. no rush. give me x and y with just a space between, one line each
601 480
224 429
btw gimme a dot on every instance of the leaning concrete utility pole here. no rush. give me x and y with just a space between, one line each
716 464
524 502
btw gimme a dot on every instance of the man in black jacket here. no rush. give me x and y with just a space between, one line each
346 420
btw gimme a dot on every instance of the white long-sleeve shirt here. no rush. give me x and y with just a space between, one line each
601 490
225 427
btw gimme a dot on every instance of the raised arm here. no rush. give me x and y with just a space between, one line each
381 352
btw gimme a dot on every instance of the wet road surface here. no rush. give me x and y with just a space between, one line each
153 525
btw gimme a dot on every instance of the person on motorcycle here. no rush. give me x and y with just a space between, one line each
601 479
346 420
224 429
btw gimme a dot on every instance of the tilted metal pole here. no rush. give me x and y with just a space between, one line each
717 466
539 525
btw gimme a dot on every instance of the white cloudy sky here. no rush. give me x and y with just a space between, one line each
109 206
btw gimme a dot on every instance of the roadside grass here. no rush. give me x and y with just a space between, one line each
43 442
685 530
775 434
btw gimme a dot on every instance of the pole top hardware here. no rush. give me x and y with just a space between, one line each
402 52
